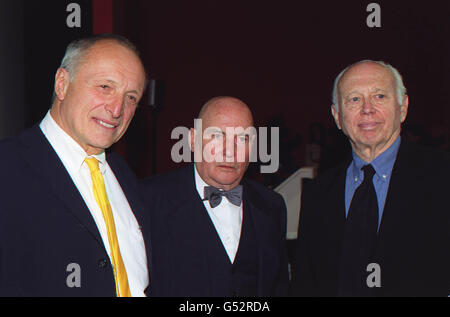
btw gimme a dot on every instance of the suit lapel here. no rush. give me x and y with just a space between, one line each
336 220
399 206
189 218
44 162
328 211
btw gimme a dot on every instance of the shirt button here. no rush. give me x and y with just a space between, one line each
102 263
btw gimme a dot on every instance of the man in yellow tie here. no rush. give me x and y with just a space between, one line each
71 222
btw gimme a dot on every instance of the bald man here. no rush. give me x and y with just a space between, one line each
215 233
377 225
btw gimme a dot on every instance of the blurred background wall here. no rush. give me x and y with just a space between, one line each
280 57
12 76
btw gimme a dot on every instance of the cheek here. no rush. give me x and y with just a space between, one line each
391 117
242 167
348 121
209 151
242 152
211 170
128 116
76 117
214 146
399 115
88 107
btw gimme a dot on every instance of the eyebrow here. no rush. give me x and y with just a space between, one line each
219 130
215 129
115 84
357 92
379 89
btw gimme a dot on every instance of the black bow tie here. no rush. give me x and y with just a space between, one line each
214 195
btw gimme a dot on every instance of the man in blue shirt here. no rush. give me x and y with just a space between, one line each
377 225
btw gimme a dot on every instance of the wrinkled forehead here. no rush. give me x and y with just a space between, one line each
366 76
111 51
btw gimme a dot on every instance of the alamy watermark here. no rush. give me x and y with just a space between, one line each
374 18
74 278
73 20
374 278
229 144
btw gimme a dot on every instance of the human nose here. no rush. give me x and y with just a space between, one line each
229 146
367 106
115 107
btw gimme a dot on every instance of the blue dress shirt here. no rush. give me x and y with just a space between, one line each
383 165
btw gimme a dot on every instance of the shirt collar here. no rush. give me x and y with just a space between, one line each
382 164
70 152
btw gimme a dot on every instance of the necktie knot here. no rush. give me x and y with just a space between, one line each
214 195
92 163
369 171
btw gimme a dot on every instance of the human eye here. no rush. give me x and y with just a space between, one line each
132 99
353 100
381 97
241 139
105 88
217 135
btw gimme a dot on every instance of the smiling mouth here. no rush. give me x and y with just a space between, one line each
368 125
105 124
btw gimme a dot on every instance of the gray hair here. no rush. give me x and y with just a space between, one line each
399 86
77 49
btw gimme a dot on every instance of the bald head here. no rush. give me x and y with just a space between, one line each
225 105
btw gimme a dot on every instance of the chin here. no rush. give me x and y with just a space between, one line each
103 141
101 146
226 180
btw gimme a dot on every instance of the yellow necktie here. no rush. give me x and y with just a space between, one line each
120 274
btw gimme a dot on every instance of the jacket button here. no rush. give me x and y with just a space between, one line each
102 263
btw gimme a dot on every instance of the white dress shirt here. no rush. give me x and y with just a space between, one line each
129 235
226 217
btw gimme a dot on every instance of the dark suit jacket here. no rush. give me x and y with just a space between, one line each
413 240
180 224
45 224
